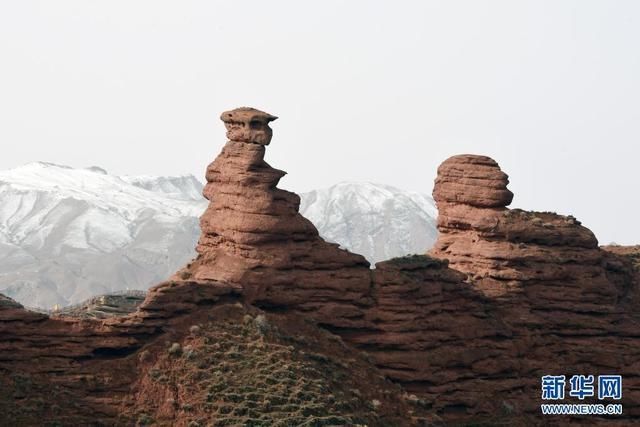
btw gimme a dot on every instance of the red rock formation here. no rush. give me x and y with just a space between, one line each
506 252
562 297
253 236
413 316
472 180
437 336
248 125
522 295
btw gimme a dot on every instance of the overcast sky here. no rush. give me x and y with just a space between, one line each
365 90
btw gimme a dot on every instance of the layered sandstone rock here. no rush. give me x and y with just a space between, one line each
510 252
472 180
505 297
249 125
216 362
415 317
65 372
564 299
437 336
254 236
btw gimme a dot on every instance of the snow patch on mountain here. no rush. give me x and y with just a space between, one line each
184 187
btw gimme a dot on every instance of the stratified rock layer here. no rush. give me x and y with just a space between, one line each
472 180
253 236
565 300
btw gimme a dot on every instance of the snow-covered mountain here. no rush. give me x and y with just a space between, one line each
185 187
69 234
377 221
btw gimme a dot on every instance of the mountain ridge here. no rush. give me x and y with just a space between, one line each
376 220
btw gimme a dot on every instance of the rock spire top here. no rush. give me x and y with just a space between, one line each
472 180
249 125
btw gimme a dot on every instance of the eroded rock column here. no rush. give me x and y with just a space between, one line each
254 236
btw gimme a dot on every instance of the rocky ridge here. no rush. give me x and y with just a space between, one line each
567 302
505 297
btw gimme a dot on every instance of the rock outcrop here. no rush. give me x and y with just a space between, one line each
437 336
254 236
414 316
565 300
505 297
248 125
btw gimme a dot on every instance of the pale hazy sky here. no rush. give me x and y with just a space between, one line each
365 90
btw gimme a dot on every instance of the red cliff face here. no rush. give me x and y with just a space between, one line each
540 260
505 297
566 301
